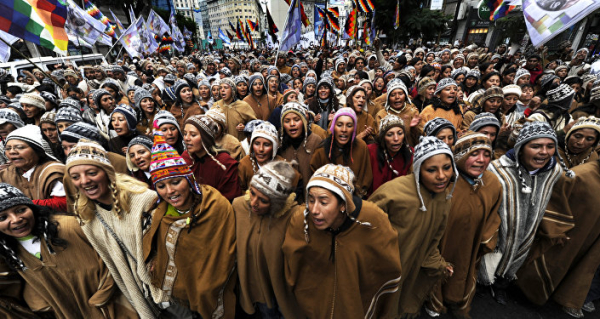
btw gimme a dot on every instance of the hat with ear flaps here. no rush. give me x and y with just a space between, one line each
274 180
210 128
298 109
166 163
428 147
142 140
339 180
532 131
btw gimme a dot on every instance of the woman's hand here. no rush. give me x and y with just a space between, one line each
240 127
415 120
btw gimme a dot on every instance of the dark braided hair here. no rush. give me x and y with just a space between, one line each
44 228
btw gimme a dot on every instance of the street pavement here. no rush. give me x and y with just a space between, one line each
485 307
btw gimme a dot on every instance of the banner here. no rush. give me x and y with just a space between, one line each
319 25
545 19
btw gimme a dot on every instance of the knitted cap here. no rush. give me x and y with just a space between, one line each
434 126
484 119
80 130
166 163
287 93
520 73
219 118
268 131
33 99
491 92
512 89
68 114
10 116
11 196
424 83
337 179
468 143
344 111
178 86
165 117
97 96
49 97
139 95
562 96
48 117
130 116
274 180
473 74
590 122
90 153
205 124
430 146
388 122
32 135
445 82
69 102
142 140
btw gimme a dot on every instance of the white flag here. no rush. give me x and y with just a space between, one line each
5 49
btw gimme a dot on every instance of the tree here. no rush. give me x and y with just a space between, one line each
415 21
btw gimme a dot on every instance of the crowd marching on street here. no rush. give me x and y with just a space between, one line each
320 182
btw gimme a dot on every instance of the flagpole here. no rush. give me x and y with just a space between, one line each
34 64
119 39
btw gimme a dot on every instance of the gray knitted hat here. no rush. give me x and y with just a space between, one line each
520 73
443 83
69 102
165 117
430 146
434 126
11 196
79 130
139 95
562 96
68 114
9 116
143 140
274 180
484 119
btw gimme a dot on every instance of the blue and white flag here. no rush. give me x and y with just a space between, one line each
223 37
5 49
210 38
81 25
293 29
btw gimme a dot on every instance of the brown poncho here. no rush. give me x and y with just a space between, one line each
406 114
196 268
262 106
260 258
188 111
236 112
352 273
419 235
471 231
560 268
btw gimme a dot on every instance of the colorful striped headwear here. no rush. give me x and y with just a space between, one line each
166 163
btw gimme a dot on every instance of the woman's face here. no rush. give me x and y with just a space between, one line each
325 210
260 204
397 99
298 85
429 58
176 191
50 132
119 124
324 92
490 131
17 221
379 84
186 94
379 72
419 66
509 101
31 111
110 90
429 92
470 82
192 139
562 73
257 87
477 162
576 87
394 138
508 78
447 73
458 63
436 173
581 140
358 101
170 132
310 89
494 80
21 155
226 92
343 130
492 104
537 153
489 69
147 105
293 125
273 85
524 79
448 94
368 89
526 94
216 92
140 157
242 88
263 150
204 92
107 103
447 136
92 182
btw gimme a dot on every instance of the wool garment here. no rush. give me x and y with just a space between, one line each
579 159
471 231
429 113
73 282
260 258
319 131
357 277
12 305
562 269
195 266
470 116
189 111
365 120
302 155
130 274
208 172
264 105
384 174
246 171
407 113
419 235
360 164
520 215
373 108
238 112
42 181
231 144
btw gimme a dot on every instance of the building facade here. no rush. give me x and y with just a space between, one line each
221 12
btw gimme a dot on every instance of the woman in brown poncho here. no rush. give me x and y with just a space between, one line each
186 104
417 206
365 126
262 216
237 112
341 256
580 142
472 226
342 147
262 104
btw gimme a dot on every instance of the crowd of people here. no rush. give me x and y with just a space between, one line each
317 183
